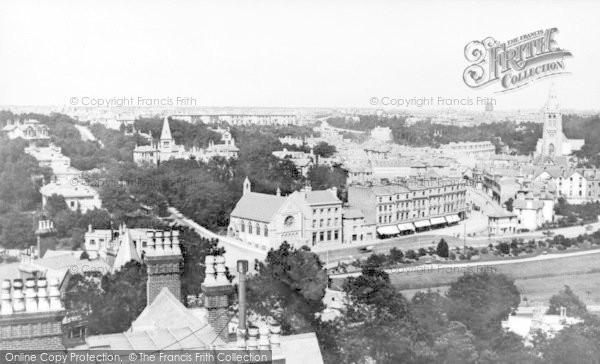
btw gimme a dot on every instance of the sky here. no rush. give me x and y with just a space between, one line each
280 53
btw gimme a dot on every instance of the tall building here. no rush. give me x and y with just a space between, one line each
416 205
554 143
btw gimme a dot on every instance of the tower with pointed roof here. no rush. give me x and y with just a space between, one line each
166 141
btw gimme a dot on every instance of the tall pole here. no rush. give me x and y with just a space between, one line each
465 237
242 268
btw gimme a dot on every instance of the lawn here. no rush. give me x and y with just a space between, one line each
537 280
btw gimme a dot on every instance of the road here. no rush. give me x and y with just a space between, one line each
234 251
86 134
424 240
453 266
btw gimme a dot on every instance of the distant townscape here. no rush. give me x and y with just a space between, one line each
319 236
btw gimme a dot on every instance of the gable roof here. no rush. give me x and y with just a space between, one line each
164 324
258 206
127 252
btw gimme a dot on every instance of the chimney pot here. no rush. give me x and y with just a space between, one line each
5 298
209 273
263 342
252 342
31 304
17 296
42 293
54 294
220 268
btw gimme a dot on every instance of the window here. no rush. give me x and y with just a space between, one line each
321 223
328 235
257 229
92 242
289 221
266 230
249 228
328 222
243 227
336 235
314 238
321 236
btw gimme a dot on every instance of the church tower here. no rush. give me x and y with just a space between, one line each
552 144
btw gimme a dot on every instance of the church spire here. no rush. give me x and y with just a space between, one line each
552 102
166 130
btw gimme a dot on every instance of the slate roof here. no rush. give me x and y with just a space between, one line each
353 213
165 324
127 252
258 206
321 197
524 204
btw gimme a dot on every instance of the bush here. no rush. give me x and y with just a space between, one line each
483 250
410 254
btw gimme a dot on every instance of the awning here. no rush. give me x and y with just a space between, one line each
437 220
388 230
405 227
422 223
452 218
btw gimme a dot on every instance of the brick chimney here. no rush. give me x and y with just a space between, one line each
31 319
163 258
217 288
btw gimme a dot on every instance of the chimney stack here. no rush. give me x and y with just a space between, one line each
162 258
28 320
217 288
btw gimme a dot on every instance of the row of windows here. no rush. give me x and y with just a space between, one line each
414 194
329 209
256 229
326 236
321 221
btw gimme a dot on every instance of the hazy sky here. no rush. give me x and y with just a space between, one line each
279 53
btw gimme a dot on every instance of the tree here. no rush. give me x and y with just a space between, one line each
396 255
324 150
482 301
376 325
456 345
428 310
410 254
579 343
122 300
290 285
568 299
55 204
509 204
442 249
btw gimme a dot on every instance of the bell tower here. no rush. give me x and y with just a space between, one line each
553 134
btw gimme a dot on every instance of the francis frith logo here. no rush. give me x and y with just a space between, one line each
515 63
